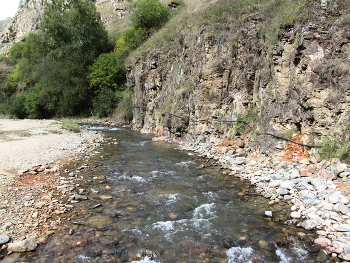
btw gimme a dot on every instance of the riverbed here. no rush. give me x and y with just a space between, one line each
141 201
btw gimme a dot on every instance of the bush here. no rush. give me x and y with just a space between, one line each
107 71
123 112
16 50
16 106
33 104
70 125
105 103
338 146
150 14
244 119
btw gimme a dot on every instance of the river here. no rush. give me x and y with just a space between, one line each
148 202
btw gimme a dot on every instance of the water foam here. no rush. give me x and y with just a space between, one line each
145 259
204 211
290 255
239 254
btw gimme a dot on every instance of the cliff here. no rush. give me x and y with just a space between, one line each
290 80
280 66
3 23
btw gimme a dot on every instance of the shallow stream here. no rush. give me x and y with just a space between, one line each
159 204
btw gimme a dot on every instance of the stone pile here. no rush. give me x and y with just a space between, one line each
317 191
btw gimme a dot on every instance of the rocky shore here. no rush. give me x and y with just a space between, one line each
32 206
317 190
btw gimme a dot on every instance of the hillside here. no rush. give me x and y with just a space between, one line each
3 23
285 74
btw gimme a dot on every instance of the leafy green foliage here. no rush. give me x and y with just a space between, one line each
16 50
16 106
33 104
105 102
150 14
244 121
107 71
70 38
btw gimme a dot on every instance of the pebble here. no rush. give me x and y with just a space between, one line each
4 239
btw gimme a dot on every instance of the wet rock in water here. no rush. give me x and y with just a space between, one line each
101 177
322 242
308 224
172 216
25 245
268 213
105 197
4 239
77 197
80 243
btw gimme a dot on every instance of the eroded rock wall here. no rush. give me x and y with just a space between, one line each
299 86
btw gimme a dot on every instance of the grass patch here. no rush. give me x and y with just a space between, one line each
70 125
338 146
241 126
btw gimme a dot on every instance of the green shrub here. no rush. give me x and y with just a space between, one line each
105 102
338 146
16 106
123 112
107 71
16 50
244 120
70 125
149 14
33 103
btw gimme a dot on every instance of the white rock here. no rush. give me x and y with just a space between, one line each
26 245
295 214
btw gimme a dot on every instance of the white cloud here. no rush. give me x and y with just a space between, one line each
8 8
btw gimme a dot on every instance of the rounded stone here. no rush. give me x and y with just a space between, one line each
295 214
322 242
4 239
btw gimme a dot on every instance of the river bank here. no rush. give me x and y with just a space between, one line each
32 153
317 189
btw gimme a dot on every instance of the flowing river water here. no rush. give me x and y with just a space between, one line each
158 204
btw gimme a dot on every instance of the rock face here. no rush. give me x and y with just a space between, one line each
294 86
3 23
25 21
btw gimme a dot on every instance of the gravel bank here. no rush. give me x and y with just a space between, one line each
32 153
318 190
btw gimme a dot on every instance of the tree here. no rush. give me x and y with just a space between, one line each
70 38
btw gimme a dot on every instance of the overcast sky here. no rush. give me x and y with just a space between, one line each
8 8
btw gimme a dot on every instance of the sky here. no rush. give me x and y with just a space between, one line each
8 8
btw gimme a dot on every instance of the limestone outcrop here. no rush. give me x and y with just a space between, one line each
297 85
